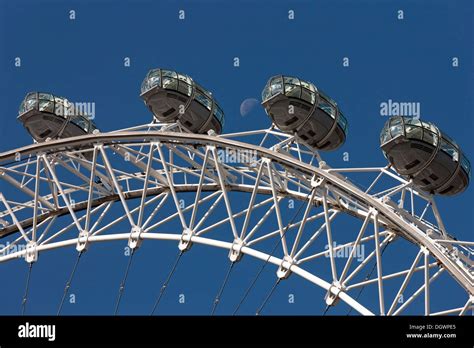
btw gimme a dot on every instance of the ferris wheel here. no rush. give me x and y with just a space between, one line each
266 194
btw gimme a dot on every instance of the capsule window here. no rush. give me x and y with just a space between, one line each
342 122
31 102
184 88
396 126
306 85
385 136
308 96
466 165
413 121
153 79
449 139
184 78
22 108
266 93
81 122
219 114
144 86
153 71
46 96
169 73
327 107
414 132
324 96
449 149
31 95
291 80
293 91
276 86
394 121
276 79
432 128
170 83
396 130
46 106
202 99
430 138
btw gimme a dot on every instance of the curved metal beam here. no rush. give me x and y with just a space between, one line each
396 224
205 241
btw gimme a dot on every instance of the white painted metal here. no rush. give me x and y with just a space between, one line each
282 170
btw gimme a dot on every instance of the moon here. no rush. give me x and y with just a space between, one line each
247 106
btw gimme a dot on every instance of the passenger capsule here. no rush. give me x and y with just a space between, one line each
298 107
175 97
47 116
419 150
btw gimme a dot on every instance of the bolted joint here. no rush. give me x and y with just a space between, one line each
323 165
374 212
185 242
284 270
211 147
424 250
332 296
31 252
392 237
235 252
82 241
134 240
454 253
433 234
316 182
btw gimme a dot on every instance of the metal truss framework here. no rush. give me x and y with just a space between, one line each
77 191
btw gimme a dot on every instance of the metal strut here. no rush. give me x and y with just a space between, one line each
25 296
247 292
268 297
221 290
366 278
165 284
122 284
68 284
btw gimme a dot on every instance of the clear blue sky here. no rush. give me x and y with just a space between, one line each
82 59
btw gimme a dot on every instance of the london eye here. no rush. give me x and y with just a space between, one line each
76 186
